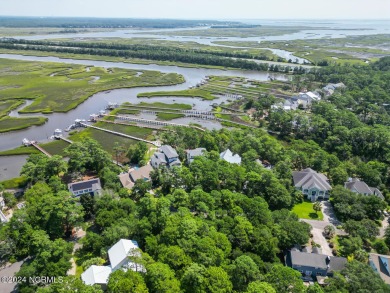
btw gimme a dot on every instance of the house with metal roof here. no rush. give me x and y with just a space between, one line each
91 186
357 186
381 265
166 156
119 255
229 157
312 184
191 154
311 265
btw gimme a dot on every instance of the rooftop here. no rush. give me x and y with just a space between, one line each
228 156
96 275
92 183
308 178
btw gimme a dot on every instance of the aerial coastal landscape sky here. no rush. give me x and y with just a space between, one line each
202 9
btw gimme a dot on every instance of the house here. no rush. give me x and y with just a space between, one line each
3 218
312 184
91 186
311 265
228 157
2 203
118 255
287 105
166 156
330 88
305 99
357 186
97 275
191 154
128 179
380 264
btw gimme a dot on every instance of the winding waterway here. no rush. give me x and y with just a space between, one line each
98 101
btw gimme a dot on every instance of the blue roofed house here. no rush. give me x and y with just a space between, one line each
166 156
91 186
313 185
381 265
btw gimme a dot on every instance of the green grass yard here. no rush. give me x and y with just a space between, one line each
305 211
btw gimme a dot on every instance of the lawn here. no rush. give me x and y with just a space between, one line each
305 211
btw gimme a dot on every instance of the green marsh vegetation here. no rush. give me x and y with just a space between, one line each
60 88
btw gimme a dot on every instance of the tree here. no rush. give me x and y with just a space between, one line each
317 206
260 287
357 277
329 231
126 282
380 246
194 279
285 279
161 279
314 289
97 261
140 188
136 152
217 280
243 271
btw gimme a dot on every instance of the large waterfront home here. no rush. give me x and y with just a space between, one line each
312 184
166 156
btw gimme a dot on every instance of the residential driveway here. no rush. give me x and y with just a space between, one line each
329 215
9 271
382 229
320 239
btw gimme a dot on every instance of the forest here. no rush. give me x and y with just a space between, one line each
94 22
212 226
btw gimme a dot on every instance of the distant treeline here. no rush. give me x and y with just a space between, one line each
85 22
149 52
236 26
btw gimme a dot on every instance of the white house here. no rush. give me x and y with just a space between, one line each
229 157
312 184
119 259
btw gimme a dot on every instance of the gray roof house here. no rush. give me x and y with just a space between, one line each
166 156
91 186
118 255
228 157
191 154
355 185
128 179
311 265
312 184
380 264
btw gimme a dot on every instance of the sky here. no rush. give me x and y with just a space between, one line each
202 9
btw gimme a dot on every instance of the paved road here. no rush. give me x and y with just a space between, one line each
9 271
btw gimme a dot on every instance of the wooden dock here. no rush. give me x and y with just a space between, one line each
34 144
120 134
